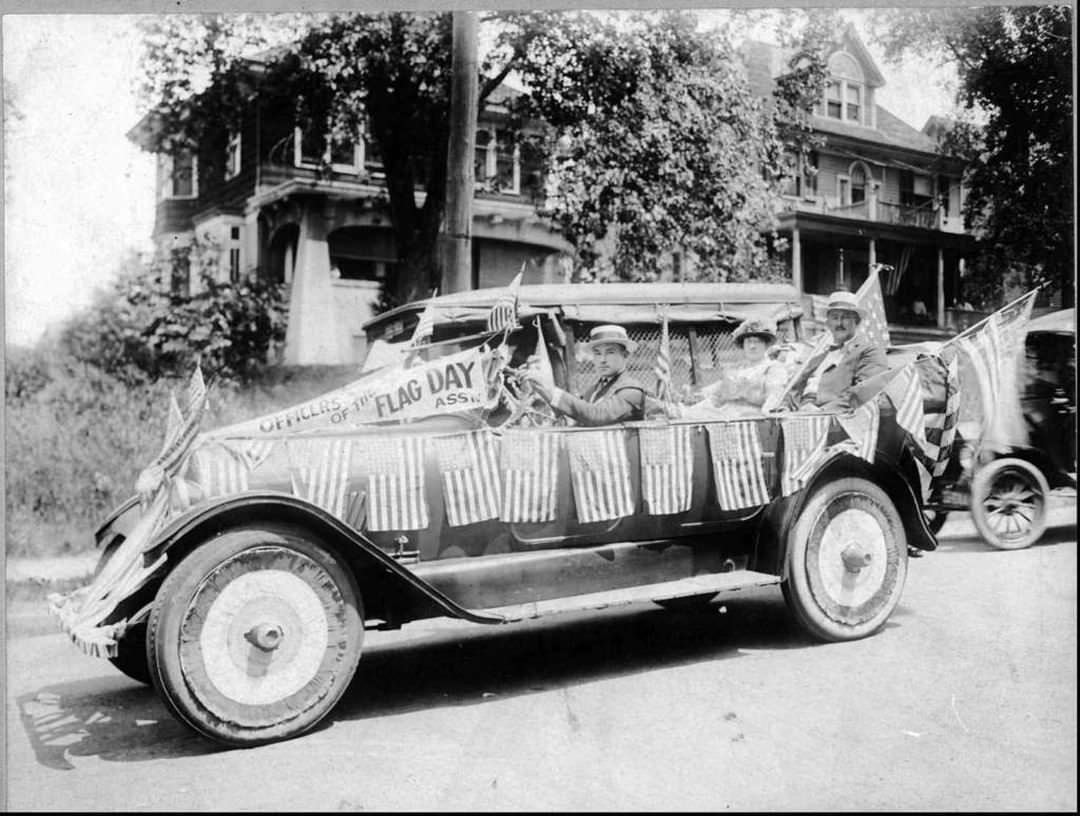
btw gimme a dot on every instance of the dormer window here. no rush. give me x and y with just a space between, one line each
844 91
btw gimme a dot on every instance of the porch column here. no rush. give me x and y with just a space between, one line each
872 251
315 334
250 252
941 288
796 260
840 269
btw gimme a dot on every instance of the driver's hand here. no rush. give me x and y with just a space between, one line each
541 384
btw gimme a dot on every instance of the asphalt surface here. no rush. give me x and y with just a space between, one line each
965 701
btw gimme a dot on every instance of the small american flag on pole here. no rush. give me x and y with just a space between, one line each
862 426
667 462
319 471
804 445
600 475
663 361
395 472
736 453
530 465
503 314
905 392
469 465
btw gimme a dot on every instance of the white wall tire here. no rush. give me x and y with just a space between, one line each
846 561
255 636
1008 503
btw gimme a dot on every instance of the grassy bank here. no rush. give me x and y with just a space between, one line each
77 439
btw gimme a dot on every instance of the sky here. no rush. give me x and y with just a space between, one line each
79 196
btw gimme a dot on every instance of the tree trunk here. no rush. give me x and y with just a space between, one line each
461 147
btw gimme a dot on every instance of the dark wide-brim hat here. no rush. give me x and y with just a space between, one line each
610 333
753 327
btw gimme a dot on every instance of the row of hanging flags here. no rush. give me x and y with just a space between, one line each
380 481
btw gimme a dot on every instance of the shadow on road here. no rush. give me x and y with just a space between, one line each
468 666
106 717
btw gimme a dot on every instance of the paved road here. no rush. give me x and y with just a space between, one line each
966 701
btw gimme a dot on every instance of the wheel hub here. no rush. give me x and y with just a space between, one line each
855 557
265 636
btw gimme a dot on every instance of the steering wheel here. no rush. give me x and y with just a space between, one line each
527 409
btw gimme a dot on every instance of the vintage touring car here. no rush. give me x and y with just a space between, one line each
241 577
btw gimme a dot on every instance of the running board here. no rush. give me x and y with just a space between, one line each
684 587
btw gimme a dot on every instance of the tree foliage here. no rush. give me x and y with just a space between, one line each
656 142
1015 131
144 326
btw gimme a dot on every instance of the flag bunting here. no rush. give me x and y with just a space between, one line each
396 483
738 466
600 475
469 466
667 462
530 468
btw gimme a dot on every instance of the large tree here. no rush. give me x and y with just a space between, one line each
656 142
1015 91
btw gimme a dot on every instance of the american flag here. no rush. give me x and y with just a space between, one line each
469 464
862 426
425 326
600 474
941 427
530 465
319 471
737 464
991 352
218 472
503 314
663 362
905 392
667 462
804 446
874 328
196 390
395 473
252 452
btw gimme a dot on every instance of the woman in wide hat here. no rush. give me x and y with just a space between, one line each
742 390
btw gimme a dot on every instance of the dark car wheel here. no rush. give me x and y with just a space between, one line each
1008 503
846 560
255 635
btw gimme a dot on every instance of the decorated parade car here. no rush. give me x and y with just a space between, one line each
240 578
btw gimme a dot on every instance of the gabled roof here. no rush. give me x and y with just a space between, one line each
764 62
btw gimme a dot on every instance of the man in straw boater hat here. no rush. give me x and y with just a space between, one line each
828 381
616 396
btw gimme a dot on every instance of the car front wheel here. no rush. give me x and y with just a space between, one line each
846 560
255 635
1008 503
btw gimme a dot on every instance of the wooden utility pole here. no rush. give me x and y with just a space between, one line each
464 94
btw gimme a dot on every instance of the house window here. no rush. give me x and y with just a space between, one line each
833 104
180 175
232 156
859 179
844 90
234 254
313 149
498 160
372 156
854 97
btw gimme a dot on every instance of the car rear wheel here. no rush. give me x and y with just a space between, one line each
255 635
1008 503
846 560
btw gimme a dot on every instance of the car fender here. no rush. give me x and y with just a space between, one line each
204 522
894 477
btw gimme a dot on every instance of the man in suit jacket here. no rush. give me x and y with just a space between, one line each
830 378
616 397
